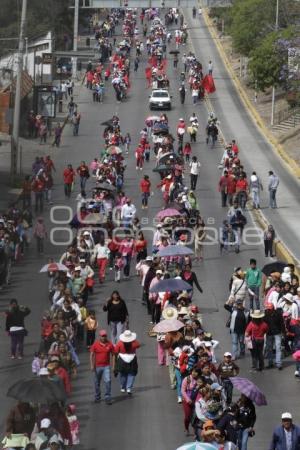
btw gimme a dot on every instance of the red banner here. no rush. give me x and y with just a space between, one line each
208 84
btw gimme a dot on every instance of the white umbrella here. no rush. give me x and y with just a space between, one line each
54 267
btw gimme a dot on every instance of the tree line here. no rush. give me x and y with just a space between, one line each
252 27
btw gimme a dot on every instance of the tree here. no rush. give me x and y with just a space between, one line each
268 60
42 16
252 20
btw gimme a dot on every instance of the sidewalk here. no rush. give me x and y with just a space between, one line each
29 149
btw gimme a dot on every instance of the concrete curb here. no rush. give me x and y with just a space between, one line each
291 165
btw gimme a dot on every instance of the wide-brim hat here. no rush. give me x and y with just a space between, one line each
128 336
170 313
288 297
257 314
183 311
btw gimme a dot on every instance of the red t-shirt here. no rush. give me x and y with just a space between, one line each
120 347
145 185
242 185
257 330
102 353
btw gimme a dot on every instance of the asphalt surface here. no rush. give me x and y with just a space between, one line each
151 419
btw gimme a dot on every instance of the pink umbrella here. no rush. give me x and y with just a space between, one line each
169 212
296 355
167 325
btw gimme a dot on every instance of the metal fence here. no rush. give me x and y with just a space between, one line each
287 113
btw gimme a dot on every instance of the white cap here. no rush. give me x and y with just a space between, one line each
77 269
45 423
286 415
43 371
227 354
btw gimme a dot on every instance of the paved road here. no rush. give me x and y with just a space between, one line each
257 153
151 419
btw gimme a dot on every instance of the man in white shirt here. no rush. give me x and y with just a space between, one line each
210 68
194 172
128 212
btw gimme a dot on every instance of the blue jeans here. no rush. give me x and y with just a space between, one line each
238 345
255 198
270 341
178 381
127 265
243 436
255 297
105 371
127 380
83 181
116 328
272 193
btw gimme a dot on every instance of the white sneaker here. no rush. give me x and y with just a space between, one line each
296 373
129 391
179 400
123 390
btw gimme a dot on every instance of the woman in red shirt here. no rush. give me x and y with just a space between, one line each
145 186
242 188
126 363
255 332
140 247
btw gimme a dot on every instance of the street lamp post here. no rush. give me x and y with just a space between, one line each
273 88
17 107
75 39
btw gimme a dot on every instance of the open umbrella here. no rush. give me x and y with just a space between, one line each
163 131
54 267
276 266
175 250
197 446
167 325
152 118
113 150
171 285
107 123
174 52
161 168
37 390
249 389
106 187
169 212
166 157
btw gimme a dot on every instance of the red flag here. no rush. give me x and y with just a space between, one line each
208 84
148 73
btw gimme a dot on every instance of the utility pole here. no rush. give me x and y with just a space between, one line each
75 39
16 123
273 88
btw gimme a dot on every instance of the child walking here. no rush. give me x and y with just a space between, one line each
91 327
